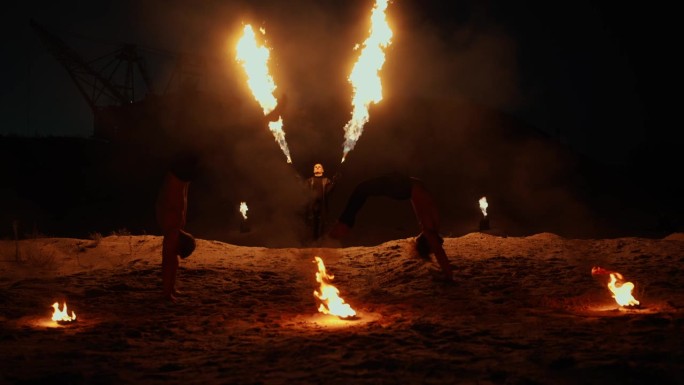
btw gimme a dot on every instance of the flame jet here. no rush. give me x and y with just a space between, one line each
254 60
366 84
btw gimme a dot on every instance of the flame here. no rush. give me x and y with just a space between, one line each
254 60
243 209
364 78
622 292
62 315
484 205
331 303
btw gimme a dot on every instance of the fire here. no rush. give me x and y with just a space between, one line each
254 60
62 315
367 87
622 291
484 205
331 303
243 209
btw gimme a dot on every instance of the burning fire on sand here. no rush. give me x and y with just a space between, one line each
331 302
621 290
62 316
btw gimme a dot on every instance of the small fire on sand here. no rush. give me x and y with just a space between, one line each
621 290
62 317
331 302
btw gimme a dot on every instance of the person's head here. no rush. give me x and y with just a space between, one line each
318 169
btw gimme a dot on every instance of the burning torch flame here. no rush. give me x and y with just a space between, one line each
254 60
243 209
62 315
364 78
484 205
331 303
622 291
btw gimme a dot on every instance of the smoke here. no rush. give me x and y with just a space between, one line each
454 84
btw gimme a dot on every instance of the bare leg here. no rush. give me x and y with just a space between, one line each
425 209
170 262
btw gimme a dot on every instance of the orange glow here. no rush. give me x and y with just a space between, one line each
331 302
62 315
366 84
254 60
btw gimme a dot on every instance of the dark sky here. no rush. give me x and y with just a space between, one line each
588 72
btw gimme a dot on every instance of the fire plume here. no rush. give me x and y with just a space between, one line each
366 84
62 315
331 302
243 209
254 60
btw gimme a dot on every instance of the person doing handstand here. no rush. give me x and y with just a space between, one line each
171 212
400 187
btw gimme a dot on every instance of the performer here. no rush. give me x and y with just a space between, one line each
319 187
400 187
171 209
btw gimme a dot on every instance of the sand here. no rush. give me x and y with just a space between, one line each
521 310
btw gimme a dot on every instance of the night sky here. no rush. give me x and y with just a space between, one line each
593 75
588 72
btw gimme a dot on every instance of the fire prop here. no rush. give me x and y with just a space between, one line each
331 303
364 78
243 209
484 222
254 60
61 316
621 290
244 226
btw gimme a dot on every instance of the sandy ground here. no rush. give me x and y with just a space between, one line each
521 310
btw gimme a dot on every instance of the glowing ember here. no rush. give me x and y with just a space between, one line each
484 205
622 291
331 303
364 78
254 60
62 315
243 209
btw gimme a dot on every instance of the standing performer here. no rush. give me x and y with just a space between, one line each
319 187
400 187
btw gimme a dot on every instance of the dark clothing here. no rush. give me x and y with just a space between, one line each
320 187
395 186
